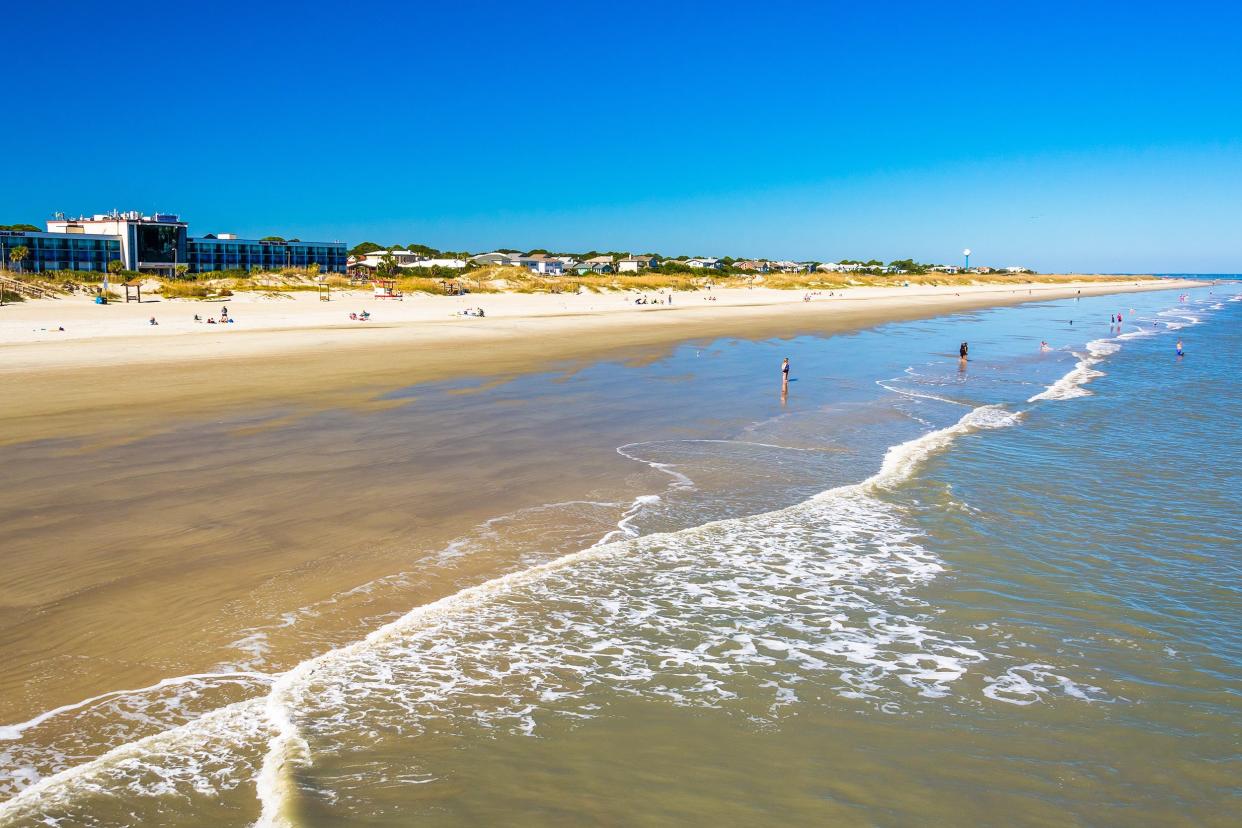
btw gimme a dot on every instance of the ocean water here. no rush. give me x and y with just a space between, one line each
904 590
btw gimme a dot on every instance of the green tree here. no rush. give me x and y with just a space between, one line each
364 248
272 238
27 228
116 266
18 254
182 270
388 265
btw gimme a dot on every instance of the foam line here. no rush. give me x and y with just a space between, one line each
15 731
1071 385
288 749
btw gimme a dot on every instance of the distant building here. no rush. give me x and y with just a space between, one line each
792 267
632 264
698 262
951 269
539 263
496 258
46 252
1016 269
596 265
404 259
752 265
160 242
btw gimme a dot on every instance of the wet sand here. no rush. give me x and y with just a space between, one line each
168 531
163 496
112 386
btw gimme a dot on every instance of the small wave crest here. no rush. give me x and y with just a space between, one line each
1071 384
742 608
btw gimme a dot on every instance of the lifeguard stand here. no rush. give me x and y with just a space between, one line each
324 289
136 287
385 289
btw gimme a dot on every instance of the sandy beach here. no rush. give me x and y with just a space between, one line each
109 362
191 511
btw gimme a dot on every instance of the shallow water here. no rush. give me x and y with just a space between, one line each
906 590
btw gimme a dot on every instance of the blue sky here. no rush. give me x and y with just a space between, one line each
1089 136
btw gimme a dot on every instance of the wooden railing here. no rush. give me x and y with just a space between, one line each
26 289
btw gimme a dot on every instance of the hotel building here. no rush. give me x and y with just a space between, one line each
158 243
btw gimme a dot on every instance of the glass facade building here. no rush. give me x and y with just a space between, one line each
46 252
161 244
207 254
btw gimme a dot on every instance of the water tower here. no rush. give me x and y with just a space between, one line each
966 253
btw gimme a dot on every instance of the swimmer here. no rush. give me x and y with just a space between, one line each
1043 346
1180 352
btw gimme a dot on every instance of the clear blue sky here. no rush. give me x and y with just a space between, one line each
1093 136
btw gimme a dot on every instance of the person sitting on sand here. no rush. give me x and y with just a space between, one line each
198 318
153 322
211 320
353 316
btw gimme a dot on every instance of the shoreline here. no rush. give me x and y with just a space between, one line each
76 386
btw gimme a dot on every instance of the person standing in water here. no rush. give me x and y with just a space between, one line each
785 370
963 350
1180 352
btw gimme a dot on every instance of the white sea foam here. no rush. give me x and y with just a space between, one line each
728 611
15 731
204 756
1071 385
1031 683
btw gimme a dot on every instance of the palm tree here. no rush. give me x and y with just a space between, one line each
17 254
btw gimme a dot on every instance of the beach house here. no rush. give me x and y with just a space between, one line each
595 264
539 263
842 267
404 259
632 264
494 258
704 262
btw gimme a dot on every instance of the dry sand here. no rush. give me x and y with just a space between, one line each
110 366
